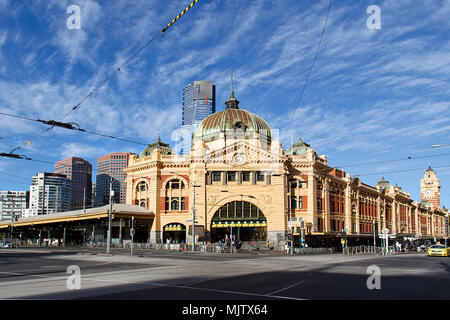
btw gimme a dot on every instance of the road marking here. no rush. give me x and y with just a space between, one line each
288 287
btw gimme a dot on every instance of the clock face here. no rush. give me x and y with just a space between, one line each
239 159
429 192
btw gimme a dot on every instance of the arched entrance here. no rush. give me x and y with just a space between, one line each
242 218
175 232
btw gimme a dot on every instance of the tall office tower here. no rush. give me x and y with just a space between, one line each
79 171
109 168
13 203
430 188
199 101
49 193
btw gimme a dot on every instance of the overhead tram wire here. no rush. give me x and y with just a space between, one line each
397 171
71 126
77 106
392 160
312 64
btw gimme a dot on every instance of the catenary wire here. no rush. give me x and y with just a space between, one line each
312 65
77 106
76 129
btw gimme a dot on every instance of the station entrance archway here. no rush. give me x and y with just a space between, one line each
240 218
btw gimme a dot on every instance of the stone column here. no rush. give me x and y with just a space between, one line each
312 200
378 216
394 217
357 231
326 197
348 207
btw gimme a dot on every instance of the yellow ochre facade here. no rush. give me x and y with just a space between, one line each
242 175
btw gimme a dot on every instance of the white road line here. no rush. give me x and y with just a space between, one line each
288 287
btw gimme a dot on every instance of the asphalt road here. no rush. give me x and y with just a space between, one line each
42 274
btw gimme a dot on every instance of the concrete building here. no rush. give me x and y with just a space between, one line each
49 193
246 184
79 171
13 204
199 101
109 169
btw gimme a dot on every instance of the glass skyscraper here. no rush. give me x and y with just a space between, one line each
199 101
109 169
79 171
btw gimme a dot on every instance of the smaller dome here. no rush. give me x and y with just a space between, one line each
164 147
383 184
299 148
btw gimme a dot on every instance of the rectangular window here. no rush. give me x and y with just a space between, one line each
183 203
245 176
216 175
293 202
300 202
231 176
259 176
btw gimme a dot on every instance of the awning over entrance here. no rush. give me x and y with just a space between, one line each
118 211
238 223
174 227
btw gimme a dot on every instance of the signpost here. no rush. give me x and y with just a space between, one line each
132 234
386 240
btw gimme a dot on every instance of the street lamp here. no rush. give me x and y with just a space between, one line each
108 236
193 208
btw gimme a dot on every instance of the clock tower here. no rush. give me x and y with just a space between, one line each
430 188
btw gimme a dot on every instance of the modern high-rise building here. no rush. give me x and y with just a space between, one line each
13 203
109 168
199 101
79 171
49 193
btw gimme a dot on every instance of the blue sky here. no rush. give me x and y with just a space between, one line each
373 95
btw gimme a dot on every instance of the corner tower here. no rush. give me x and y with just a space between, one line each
430 188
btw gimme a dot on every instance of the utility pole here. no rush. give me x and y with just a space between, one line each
108 236
84 200
132 234
193 220
374 237
290 217
12 217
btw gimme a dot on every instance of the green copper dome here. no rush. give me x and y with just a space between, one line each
299 148
233 122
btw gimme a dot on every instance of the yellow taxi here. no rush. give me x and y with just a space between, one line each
438 250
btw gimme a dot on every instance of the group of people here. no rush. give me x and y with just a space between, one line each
229 241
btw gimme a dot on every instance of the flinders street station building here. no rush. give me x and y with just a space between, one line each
238 180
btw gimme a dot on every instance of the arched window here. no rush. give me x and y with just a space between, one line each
175 184
175 195
174 205
142 204
142 186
